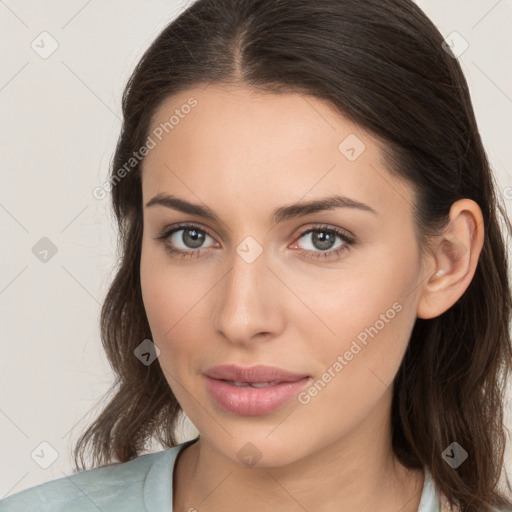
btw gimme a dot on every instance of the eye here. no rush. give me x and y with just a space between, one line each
187 241
322 239
178 239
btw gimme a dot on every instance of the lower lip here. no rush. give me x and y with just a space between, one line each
250 401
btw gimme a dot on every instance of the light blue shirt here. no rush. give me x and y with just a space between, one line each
142 484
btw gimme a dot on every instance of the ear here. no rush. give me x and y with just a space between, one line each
454 259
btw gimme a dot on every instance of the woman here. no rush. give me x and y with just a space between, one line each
312 270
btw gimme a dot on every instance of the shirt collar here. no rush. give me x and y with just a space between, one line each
429 501
157 491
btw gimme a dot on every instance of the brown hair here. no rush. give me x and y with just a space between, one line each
381 64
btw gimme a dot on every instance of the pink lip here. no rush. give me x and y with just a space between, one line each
251 401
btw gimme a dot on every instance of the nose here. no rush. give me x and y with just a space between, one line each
249 302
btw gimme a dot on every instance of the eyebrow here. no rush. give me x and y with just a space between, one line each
278 215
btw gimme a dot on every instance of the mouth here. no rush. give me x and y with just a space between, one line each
253 375
239 384
253 398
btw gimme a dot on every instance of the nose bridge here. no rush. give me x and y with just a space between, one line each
244 308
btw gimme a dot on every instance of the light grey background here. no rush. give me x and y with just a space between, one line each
59 122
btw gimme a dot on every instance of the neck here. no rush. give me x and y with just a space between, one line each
355 472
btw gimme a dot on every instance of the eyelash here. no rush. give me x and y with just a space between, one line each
348 241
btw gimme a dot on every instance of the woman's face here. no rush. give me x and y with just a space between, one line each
283 290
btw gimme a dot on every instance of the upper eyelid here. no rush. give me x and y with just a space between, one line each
179 227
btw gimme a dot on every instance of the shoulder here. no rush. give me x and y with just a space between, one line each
115 487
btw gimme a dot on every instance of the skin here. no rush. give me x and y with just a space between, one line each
243 153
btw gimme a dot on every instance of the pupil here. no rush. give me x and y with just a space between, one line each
323 240
195 240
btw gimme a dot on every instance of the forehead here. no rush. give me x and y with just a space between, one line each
241 143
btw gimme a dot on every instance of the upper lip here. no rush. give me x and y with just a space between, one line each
258 373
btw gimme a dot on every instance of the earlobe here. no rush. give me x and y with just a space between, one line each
455 257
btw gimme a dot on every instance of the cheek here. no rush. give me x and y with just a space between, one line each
356 367
163 293
172 297
369 310
349 303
